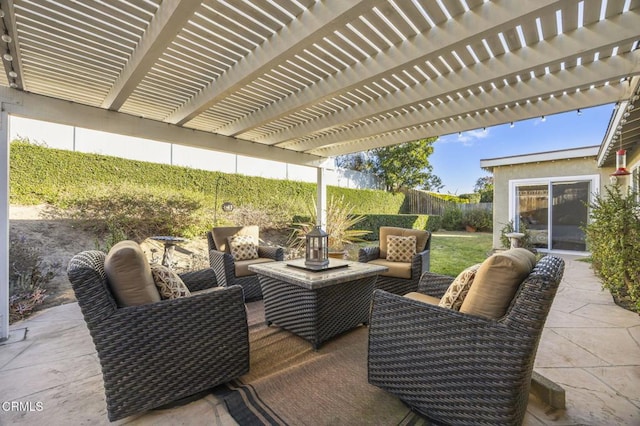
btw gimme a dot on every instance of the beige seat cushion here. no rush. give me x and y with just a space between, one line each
221 235
459 288
396 269
422 298
242 266
401 249
421 238
129 275
168 283
496 282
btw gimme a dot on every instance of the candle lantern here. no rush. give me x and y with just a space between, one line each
317 250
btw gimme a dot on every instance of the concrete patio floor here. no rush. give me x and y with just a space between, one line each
590 347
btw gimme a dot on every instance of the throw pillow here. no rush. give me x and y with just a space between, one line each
243 247
400 249
496 282
457 291
169 284
129 275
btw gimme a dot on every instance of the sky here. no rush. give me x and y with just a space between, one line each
456 158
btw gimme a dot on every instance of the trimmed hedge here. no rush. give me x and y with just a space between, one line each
46 175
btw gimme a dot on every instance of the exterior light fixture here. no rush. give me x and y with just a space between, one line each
7 57
543 119
317 249
227 207
512 125
13 74
6 38
579 112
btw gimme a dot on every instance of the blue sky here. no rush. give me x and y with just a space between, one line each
456 159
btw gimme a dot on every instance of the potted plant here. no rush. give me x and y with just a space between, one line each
340 221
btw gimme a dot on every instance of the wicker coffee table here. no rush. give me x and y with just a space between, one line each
317 305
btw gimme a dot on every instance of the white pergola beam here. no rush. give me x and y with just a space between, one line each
64 112
609 69
585 42
489 18
313 24
584 99
163 28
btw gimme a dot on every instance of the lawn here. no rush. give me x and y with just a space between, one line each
451 251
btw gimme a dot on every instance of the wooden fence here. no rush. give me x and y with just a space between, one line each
422 202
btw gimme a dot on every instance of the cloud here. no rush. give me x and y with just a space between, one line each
467 138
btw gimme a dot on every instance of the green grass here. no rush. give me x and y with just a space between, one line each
452 252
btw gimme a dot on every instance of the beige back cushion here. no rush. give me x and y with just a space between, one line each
496 282
129 275
221 235
421 237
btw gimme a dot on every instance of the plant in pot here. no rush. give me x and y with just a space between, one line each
340 221
475 220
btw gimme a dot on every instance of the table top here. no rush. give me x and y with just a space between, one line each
316 279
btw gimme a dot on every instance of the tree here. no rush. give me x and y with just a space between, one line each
357 161
405 165
484 187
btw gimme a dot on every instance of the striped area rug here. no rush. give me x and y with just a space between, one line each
291 384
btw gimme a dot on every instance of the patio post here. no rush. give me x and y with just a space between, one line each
322 199
4 225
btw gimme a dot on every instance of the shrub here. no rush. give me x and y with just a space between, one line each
613 237
137 212
28 278
340 223
452 219
478 219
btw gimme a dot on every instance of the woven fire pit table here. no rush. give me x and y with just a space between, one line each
317 305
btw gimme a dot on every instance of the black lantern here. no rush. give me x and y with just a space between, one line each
227 207
317 252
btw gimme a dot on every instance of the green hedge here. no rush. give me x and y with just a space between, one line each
46 175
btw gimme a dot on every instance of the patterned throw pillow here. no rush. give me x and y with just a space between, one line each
243 247
457 291
169 284
400 249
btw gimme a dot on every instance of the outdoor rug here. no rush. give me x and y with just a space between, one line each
291 384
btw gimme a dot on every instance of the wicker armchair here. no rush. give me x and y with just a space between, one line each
392 281
161 352
228 271
456 368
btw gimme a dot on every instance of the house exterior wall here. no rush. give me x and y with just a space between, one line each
547 169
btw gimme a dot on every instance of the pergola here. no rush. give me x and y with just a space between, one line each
301 81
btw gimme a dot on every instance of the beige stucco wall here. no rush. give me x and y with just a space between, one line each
557 168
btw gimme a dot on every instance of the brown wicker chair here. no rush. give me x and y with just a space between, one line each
161 352
229 272
391 281
456 368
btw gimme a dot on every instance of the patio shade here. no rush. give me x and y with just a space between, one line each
315 79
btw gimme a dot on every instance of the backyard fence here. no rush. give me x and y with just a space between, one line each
422 202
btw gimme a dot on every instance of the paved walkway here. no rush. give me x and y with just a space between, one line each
590 347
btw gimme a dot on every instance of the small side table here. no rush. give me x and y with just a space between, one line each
169 247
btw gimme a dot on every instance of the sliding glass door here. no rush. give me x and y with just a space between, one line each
555 211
